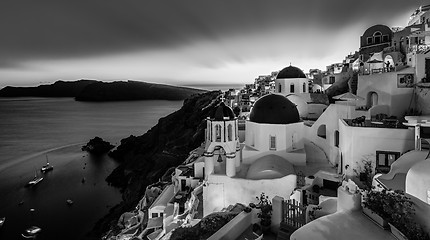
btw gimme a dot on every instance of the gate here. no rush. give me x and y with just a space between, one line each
294 214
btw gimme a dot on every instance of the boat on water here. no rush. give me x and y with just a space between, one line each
35 180
69 202
31 232
2 220
47 167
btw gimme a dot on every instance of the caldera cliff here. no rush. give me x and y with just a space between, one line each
144 159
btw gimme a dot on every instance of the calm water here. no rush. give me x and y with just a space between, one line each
32 129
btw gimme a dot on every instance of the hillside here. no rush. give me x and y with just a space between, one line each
91 90
57 89
144 159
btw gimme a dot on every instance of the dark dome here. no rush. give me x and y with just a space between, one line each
222 112
274 109
290 72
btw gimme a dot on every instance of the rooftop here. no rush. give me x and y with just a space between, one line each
386 123
164 197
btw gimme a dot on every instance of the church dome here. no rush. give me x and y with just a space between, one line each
274 109
222 112
290 72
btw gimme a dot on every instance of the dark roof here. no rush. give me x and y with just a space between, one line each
222 112
290 72
274 109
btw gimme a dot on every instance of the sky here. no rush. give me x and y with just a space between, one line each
187 42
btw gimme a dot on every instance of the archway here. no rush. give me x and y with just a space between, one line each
322 131
372 99
388 63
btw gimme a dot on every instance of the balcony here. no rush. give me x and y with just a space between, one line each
419 48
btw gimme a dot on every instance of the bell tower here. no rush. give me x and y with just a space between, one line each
222 142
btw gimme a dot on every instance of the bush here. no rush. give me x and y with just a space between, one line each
185 233
204 229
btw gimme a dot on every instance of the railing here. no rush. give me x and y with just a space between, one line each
378 70
419 48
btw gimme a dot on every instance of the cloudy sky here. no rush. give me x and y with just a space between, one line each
187 42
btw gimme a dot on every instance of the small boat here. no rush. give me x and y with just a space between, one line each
2 220
69 202
35 180
31 232
47 167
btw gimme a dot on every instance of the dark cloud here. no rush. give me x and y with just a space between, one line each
60 29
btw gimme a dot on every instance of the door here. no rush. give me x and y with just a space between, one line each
427 70
183 184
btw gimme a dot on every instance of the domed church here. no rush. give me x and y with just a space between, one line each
237 172
291 80
274 127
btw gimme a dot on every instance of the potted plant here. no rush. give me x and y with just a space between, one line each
397 209
374 208
265 215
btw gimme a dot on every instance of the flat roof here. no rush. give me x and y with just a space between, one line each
155 222
165 196
352 225
387 123
397 183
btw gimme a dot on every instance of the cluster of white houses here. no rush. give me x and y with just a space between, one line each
281 154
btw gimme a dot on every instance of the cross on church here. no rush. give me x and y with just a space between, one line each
222 98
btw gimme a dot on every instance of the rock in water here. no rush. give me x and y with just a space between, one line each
97 146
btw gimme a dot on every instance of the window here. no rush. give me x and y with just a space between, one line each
304 87
369 40
331 80
407 40
280 88
154 215
272 142
218 133
384 159
336 138
230 132
377 37
291 87
385 38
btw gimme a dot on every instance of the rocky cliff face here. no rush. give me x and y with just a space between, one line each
144 159
341 86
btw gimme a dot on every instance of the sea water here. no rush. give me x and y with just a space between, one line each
35 129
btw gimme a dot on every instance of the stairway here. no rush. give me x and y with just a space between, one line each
353 83
285 231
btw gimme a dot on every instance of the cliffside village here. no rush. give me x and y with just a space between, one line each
291 162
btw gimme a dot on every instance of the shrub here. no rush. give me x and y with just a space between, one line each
398 210
266 209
